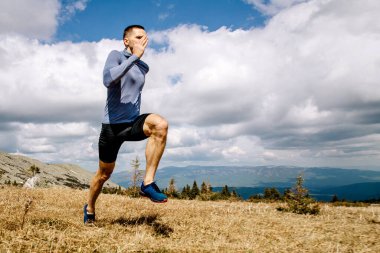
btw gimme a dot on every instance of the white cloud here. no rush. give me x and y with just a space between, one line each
233 151
269 156
53 98
169 11
34 19
163 16
303 90
37 145
305 79
59 83
183 137
70 7
55 130
273 7
37 19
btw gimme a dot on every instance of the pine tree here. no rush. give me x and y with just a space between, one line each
334 198
272 194
188 189
209 188
225 192
184 193
34 169
204 189
171 187
287 193
299 201
172 191
194 190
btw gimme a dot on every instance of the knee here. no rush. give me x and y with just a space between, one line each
163 125
103 177
105 171
161 128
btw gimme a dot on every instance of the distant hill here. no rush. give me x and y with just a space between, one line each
258 176
361 191
352 192
16 168
323 182
220 175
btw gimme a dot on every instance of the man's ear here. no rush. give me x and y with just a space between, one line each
126 42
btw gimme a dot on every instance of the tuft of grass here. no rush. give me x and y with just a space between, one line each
350 204
27 207
54 223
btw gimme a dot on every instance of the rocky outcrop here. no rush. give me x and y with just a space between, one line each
17 168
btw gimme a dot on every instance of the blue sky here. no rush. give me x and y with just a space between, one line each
268 82
105 19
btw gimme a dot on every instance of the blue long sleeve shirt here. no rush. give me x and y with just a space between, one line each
124 78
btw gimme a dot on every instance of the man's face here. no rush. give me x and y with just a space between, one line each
133 37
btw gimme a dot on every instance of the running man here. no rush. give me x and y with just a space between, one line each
124 77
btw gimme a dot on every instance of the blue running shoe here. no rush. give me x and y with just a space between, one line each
88 217
153 192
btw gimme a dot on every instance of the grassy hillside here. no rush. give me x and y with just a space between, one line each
53 223
16 168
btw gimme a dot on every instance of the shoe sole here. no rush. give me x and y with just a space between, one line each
153 200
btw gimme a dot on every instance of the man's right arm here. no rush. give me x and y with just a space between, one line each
114 70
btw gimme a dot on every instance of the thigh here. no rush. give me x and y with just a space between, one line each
135 132
109 144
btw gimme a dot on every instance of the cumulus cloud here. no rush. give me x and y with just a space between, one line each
37 19
307 79
34 19
303 90
49 83
52 98
273 7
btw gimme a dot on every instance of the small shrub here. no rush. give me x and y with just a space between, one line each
298 200
113 190
334 198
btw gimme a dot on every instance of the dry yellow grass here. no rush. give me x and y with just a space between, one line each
53 223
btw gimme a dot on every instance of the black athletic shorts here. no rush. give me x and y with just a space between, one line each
113 135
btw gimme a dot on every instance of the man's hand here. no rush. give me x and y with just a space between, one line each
139 47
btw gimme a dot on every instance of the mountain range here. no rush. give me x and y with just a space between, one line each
322 182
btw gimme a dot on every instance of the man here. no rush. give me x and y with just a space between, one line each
124 77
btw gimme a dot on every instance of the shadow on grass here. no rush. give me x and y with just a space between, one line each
54 223
150 220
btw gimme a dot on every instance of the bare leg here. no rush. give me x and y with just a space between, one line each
102 175
156 128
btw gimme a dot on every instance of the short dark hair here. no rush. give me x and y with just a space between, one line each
130 27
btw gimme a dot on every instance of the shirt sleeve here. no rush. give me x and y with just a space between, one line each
115 68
